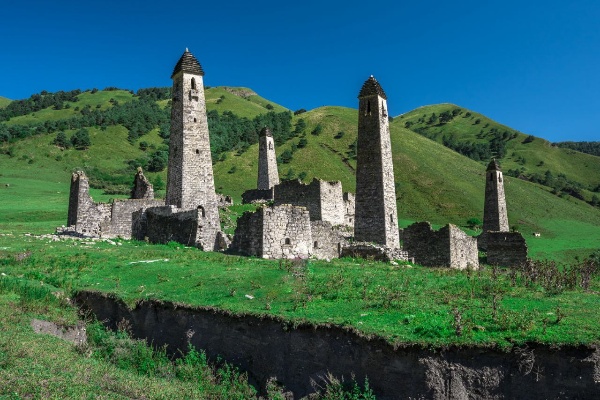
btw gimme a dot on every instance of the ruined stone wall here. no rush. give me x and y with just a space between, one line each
248 237
86 217
463 249
257 196
142 188
328 240
376 217
507 249
350 205
427 246
448 247
123 217
274 232
324 200
168 223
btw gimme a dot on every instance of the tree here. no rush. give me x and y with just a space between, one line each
61 141
285 157
81 139
300 111
269 106
158 161
317 131
302 143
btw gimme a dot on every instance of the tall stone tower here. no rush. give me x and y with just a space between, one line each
190 180
376 217
495 218
267 162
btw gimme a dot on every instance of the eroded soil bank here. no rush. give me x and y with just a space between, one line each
268 347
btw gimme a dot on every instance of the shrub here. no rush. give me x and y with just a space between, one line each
81 139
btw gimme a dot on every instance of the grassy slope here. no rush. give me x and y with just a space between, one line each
4 102
540 155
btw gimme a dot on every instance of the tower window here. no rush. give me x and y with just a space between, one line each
316 244
201 211
391 218
288 241
368 107
195 120
197 151
270 146
193 83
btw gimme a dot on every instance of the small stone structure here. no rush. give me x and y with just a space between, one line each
285 231
507 249
324 200
121 218
267 161
373 252
448 247
376 214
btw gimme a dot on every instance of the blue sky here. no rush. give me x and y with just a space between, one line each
532 65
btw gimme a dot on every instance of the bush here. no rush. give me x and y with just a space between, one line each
317 131
81 139
158 161
61 141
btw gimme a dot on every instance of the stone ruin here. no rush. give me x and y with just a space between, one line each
303 220
449 246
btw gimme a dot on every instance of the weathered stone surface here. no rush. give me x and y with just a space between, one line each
371 251
328 240
350 205
190 180
324 200
376 214
169 223
122 218
448 247
258 196
507 249
274 232
224 201
268 176
142 188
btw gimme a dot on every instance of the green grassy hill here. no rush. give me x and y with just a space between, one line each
433 182
526 154
4 102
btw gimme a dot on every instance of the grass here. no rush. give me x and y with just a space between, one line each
4 102
404 304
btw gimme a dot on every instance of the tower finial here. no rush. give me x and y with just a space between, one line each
187 51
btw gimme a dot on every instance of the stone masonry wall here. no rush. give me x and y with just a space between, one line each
274 232
168 223
257 196
324 200
142 188
495 217
349 204
122 220
86 217
507 249
327 240
448 247
463 249
376 217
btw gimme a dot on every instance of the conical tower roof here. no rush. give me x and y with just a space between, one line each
371 87
493 166
188 63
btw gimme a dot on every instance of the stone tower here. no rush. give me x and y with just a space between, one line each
376 217
190 180
267 162
495 218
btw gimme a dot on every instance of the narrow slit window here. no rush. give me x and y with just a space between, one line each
193 83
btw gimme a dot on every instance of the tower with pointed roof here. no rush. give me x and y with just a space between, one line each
190 180
495 218
267 162
376 217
